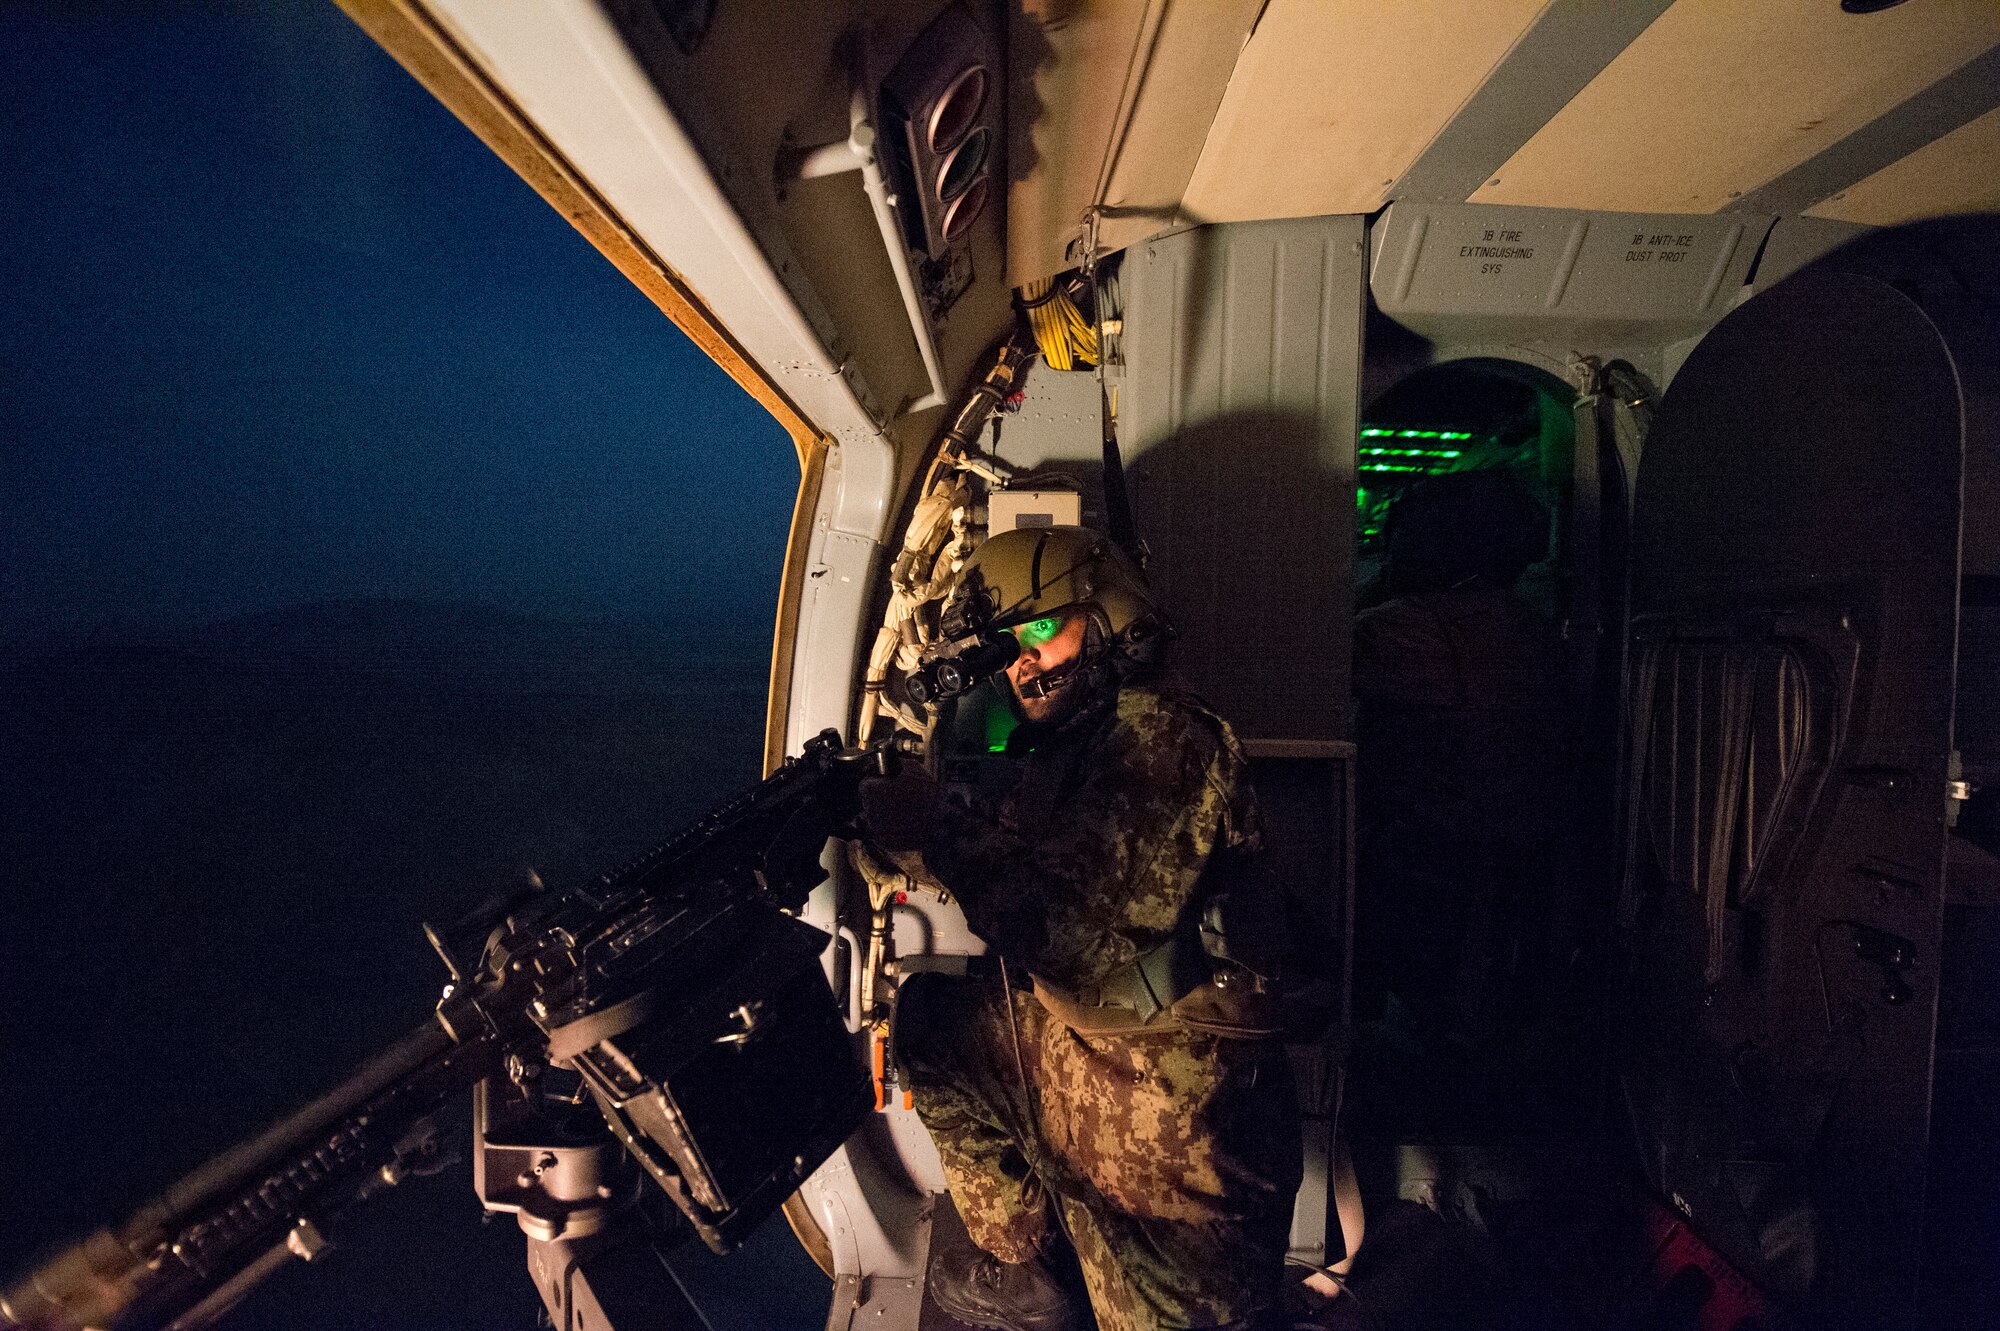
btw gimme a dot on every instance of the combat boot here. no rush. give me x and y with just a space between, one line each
979 1289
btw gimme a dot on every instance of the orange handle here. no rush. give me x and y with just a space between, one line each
877 1057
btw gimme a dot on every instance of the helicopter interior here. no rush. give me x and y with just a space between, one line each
1663 264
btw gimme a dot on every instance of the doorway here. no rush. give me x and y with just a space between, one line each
1471 415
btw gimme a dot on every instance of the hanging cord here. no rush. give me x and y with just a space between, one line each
1029 1104
1583 626
1020 1066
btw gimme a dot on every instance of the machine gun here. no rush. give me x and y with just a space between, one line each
676 1001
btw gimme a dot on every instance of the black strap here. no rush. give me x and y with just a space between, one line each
569 1040
1118 521
1155 980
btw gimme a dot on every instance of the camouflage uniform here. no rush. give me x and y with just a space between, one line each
1171 1154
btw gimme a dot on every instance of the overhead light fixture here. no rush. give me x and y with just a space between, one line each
943 91
957 109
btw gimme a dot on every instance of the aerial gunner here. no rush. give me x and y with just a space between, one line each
1113 1081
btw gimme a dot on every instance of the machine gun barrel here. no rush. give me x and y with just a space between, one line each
536 979
392 1067
182 1259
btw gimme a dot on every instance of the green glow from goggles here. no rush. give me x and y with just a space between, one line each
1037 631
1000 722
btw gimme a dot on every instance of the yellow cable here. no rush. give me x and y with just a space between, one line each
1061 332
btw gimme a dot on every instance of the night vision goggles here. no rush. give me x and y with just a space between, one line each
1019 589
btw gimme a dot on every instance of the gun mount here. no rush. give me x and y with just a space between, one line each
677 1002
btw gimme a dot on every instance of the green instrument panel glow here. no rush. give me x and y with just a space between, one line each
1393 457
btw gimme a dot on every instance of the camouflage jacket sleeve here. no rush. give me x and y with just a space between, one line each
1121 855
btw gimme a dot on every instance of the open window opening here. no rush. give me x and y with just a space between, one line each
1479 415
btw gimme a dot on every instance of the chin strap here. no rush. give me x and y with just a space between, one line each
1041 686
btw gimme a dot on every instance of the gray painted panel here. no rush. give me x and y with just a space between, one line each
1059 430
1243 350
1633 265
1642 277
1059 420
1568 45
1797 241
1475 260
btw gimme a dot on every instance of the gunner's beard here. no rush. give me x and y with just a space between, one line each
1053 697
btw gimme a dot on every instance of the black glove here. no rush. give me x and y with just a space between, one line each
896 810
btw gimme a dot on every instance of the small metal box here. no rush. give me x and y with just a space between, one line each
1008 509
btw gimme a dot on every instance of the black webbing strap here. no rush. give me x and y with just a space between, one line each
1118 521
1154 980
1124 532
571 1039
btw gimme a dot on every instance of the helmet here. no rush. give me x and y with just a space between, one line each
1469 524
1032 572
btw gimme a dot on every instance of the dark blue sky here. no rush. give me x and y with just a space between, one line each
277 328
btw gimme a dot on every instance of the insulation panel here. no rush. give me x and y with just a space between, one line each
1718 97
1332 100
1173 103
1959 173
1111 99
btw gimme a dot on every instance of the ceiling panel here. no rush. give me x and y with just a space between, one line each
1172 107
1719 96
1064 83
1332 100
1959 173
1108 98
